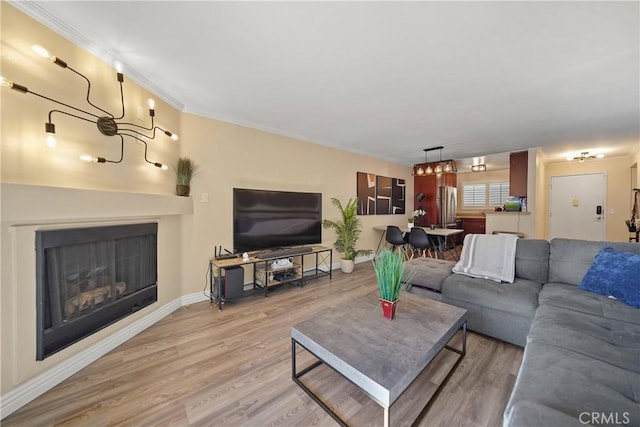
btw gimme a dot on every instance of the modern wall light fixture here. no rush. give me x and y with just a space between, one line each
478 168
437 168
584 156
108 124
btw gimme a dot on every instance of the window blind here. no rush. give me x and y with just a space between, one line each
474 194
498 193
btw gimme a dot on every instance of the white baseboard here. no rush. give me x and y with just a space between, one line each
336 264
193 298
29 390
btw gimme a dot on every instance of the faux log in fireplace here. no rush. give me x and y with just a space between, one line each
89 278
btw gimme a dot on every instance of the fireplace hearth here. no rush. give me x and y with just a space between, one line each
89 278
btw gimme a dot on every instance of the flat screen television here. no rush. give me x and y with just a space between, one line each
264 219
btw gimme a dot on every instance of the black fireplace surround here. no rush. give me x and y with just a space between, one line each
88 278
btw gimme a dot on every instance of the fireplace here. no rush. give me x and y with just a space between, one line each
89 278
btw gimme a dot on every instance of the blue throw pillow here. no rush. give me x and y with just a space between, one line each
614 273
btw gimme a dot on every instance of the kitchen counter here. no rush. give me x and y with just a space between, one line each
510 222
508 213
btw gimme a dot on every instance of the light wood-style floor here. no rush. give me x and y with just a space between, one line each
203 367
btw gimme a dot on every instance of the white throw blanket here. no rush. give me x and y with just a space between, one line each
489 257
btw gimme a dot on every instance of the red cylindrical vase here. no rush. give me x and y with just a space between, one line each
388 308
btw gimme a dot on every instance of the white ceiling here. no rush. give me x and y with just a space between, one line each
384 78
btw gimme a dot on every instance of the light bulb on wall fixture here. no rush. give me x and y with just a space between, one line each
50 130
40 51
90 158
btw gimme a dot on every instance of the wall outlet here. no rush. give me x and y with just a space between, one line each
204 197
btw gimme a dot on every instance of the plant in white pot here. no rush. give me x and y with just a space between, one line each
347 233
185 170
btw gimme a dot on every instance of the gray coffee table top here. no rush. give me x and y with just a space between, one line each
382 357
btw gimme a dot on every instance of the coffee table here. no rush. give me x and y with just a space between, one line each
381 357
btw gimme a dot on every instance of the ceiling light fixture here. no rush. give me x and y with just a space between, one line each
426 168
108 124
479 168
584 156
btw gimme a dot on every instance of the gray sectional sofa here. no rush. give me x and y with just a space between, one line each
581 361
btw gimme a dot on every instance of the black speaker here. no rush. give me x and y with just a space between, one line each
233 282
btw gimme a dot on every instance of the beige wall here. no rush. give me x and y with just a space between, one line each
234 156
618 172
541 212
635 164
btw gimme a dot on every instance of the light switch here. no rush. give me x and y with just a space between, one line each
204 198
575 202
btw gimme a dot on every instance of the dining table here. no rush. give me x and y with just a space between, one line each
442 238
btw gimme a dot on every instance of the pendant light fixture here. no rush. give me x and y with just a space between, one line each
107 123
426 168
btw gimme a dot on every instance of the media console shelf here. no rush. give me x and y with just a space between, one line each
227 282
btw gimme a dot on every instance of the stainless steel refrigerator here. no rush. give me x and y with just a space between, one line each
446 200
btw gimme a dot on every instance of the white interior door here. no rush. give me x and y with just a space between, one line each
576 206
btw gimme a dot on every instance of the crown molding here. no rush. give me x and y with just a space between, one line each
40 14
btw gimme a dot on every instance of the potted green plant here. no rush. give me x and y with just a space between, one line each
185 170
347 233
389 269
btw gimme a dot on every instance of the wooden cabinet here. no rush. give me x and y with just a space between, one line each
428 185
518 172
473 226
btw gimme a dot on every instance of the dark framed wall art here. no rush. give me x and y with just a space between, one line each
380 195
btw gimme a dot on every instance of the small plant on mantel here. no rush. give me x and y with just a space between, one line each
185 170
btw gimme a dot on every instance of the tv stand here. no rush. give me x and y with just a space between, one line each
267 275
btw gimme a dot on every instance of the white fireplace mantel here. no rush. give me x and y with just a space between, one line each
35 204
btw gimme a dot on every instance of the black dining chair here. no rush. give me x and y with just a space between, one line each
394 237
420 242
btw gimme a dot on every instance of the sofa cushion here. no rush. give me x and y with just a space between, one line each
572 383
611 341
531 414
519 297
427 272
570 259
532 260
614 273
570 297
